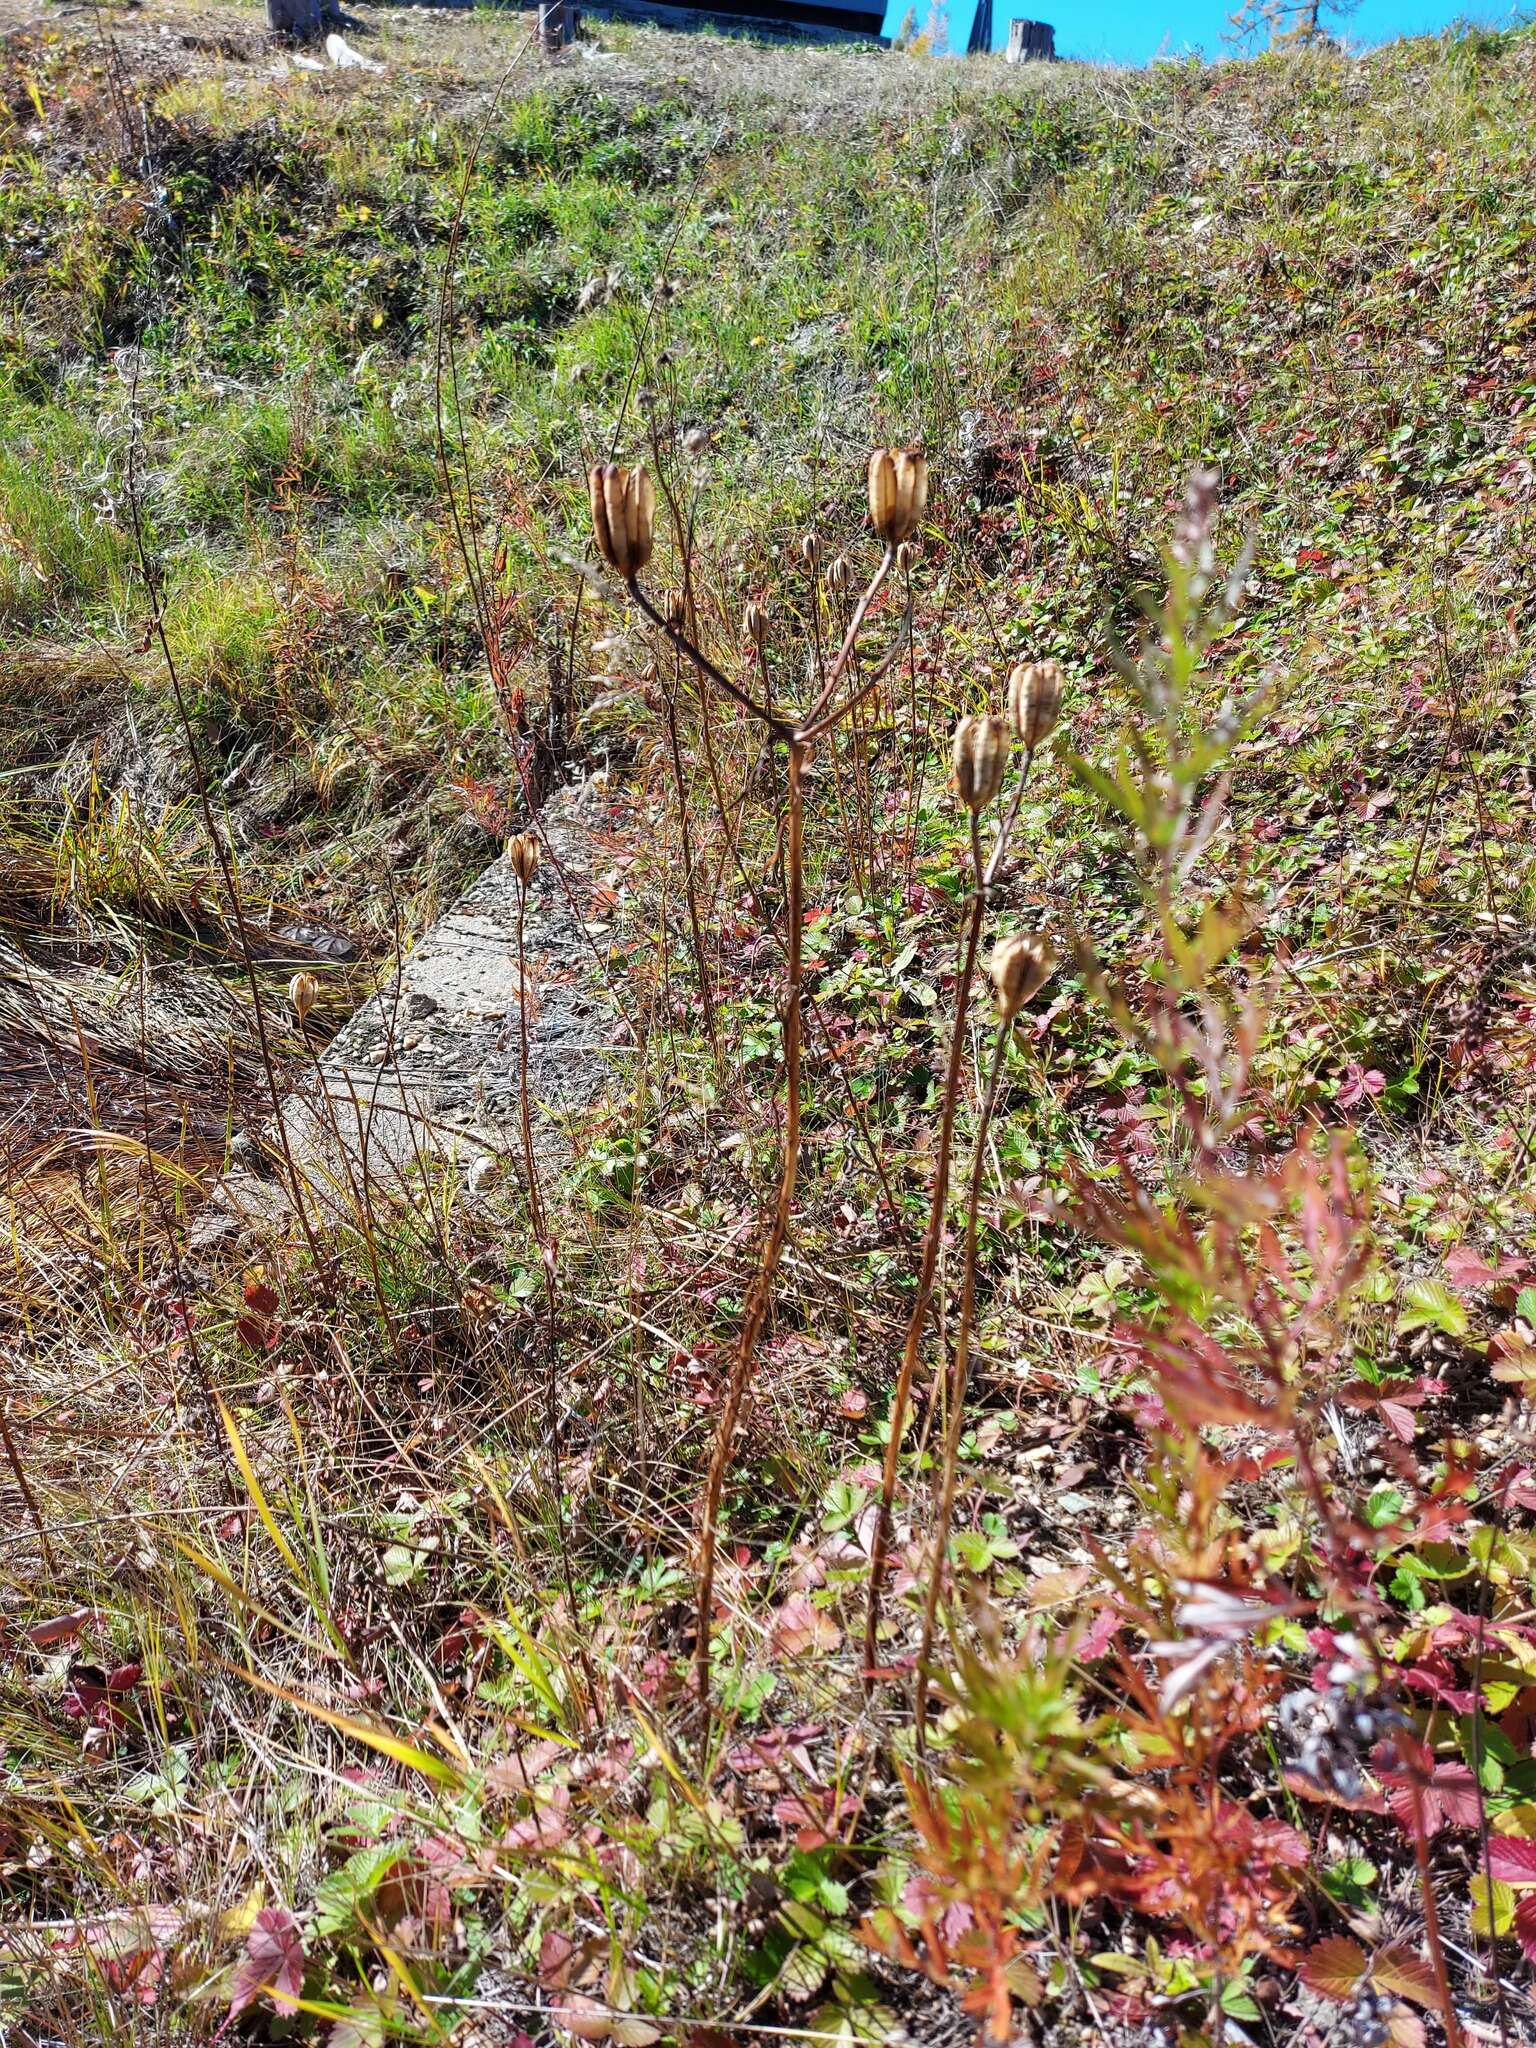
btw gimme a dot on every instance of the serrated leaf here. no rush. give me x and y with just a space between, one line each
1430 1305
1493 1907
340 1893
1512 1858
1333 1967
1405 1973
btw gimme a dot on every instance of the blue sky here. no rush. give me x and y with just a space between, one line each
1136 31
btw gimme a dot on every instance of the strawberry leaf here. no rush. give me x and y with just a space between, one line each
1333 1968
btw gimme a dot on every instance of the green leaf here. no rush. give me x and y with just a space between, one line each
341 1893
1430 1305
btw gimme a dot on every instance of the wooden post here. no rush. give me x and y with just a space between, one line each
1031 42
556 25
297 18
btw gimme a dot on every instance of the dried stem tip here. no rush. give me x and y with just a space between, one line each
623 516
898 493
754 623
302 991
523 858
980 759
1019 969
1034 700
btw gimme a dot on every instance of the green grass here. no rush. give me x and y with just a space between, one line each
1317 273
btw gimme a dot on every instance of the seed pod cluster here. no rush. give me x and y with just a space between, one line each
1034 701
898 493
980 760
623 516
302 991
1019 968
523 858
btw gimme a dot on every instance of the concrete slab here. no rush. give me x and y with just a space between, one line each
430 1069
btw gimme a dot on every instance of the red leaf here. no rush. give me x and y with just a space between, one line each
1512 1859
273 1964
44 1634
1525 1925
1450 1799
260 1299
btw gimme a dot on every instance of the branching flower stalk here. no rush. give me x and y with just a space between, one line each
622 504
980 752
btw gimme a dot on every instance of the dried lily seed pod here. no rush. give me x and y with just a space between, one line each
980 759
623 505
810 551
1019 969
1034 700
302 991
674 609
839 575
754 623
523 858
898 493
907 556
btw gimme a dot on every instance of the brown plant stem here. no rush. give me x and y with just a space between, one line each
939 1199
546 1257
932 1237
690 888
1454 2037
761 1295
959 1374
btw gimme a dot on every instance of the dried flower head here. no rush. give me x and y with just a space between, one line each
1019 969
523 858
898 493
754 623
302 991
810 551
623 516
1034 700
839 575
980 759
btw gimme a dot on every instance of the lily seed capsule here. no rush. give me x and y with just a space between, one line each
1034 700
302 991
810 551
674 609
1019 969
907 556
839 575
523 858
980 759
754 623
623 503
898 493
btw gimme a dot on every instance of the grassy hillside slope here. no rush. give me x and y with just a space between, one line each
341 1688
